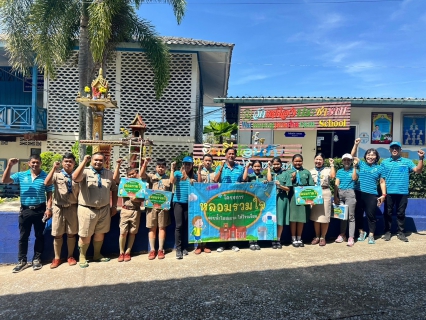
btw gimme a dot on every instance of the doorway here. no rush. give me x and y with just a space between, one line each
334 144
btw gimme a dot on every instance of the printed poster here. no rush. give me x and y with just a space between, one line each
308 195
381 127
158 199
132 187
221 212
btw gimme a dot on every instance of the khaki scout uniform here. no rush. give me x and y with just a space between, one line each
94 202
156 217
64 215
130 216
207 176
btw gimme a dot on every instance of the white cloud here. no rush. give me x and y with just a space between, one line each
249 78
401 10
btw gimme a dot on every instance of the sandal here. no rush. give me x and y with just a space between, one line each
252 246
362 236
103 259
84 264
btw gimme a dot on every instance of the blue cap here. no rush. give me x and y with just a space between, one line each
395 143
188 159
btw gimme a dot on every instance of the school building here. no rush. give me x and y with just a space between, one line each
38 114
329 125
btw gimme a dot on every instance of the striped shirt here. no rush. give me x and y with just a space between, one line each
397 174
231 175
368 177
345 178
182 188
32 192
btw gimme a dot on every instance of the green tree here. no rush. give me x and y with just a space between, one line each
220 129
45 32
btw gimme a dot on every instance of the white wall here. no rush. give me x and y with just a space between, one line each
362 116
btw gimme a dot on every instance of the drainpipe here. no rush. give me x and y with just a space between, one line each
34 99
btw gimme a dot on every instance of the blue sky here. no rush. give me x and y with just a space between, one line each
349 48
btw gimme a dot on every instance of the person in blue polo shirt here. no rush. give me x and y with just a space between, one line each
229 172
182 180
33 211
397 174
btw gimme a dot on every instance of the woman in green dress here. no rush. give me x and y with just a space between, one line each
298 213
256 176
282 181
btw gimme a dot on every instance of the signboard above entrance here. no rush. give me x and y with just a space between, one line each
296 117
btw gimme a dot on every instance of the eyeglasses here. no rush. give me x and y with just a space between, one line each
394 148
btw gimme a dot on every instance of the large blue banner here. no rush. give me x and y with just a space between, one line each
232 212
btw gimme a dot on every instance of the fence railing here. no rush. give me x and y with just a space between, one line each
20 118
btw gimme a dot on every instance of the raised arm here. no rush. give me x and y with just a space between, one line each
142 172
268 172
219 172
245 174
49 179
355 147
116 175
419 167
6 174
199 177
172 172
332 169
354 172
77 176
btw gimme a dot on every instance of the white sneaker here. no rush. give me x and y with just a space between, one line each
220 249
235 248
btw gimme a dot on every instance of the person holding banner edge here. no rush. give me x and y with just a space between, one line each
182 180
283 183
205 175
258 177
229 172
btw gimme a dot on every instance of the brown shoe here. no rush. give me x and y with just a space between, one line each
315 241
206 250
198 250
322 242
121 257
161 254
71 261
127 257
152 255
55 263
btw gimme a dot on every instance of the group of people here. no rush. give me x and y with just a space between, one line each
83 201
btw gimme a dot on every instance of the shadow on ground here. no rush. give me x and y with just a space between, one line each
376 289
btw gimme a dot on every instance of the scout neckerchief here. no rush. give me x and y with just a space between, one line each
298 181
276 174
160 182
99 172
208 174
319 175
69 182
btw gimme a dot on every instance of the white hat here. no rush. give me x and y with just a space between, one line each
347 156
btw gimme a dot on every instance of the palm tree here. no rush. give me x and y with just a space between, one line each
220 129
44 33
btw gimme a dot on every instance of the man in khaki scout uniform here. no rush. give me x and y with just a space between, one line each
64 218
157 218
94 211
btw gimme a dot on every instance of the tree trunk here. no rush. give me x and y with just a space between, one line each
83 54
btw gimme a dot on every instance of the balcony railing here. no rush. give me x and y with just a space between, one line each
19 118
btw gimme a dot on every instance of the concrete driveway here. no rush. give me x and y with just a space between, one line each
382 281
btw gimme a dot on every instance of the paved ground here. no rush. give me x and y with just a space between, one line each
382 281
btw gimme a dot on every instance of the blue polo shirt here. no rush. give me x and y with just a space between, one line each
368 177
345 178
32 192
231 175
397 174
182 188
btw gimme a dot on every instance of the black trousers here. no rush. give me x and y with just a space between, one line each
181 220
399 201
366 202
27 219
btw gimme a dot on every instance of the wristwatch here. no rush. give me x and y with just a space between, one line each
50 209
